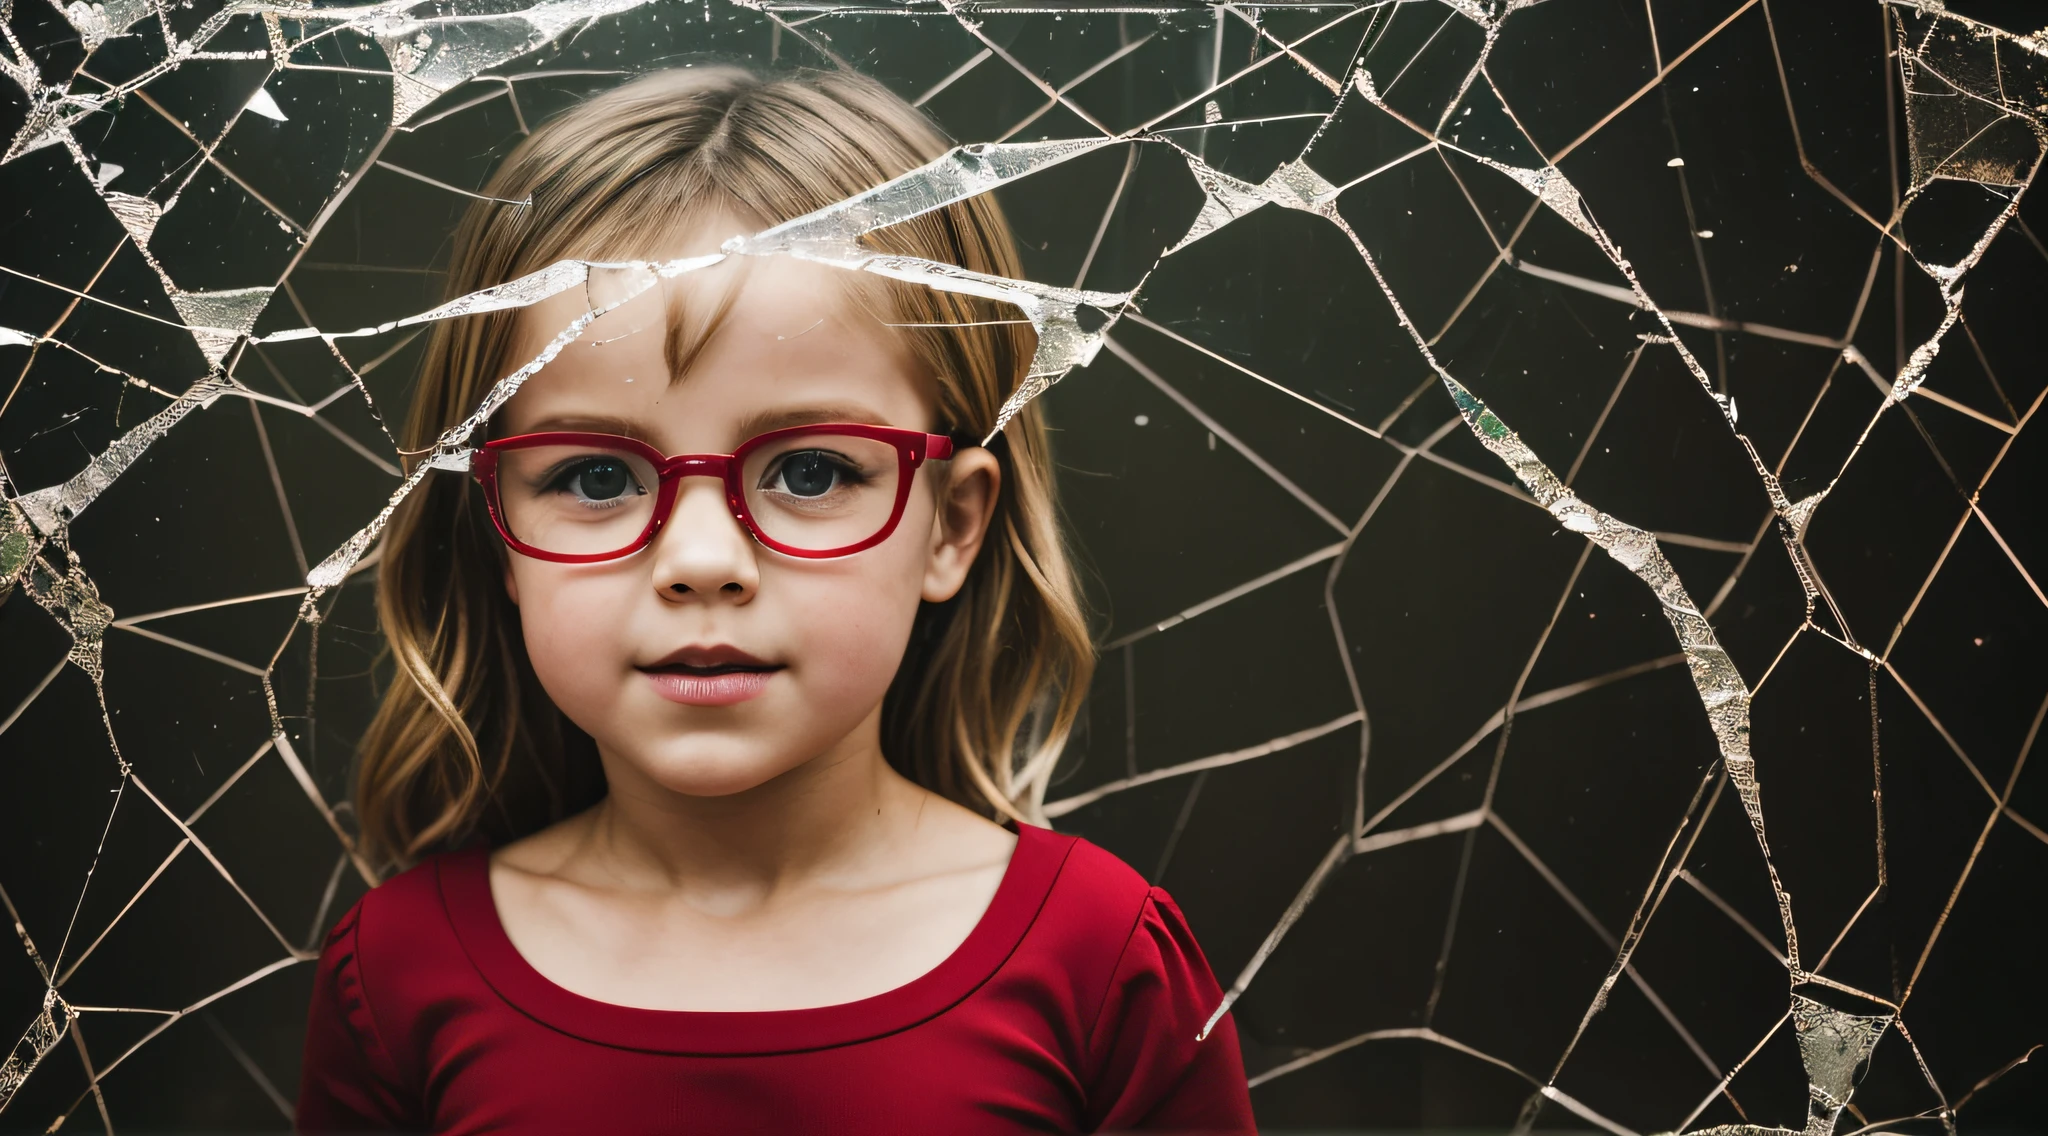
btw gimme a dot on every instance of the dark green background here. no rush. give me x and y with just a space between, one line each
1443 597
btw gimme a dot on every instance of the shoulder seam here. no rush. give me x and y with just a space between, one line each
1130 936
389 1059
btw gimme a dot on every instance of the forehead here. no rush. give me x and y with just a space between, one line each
695 357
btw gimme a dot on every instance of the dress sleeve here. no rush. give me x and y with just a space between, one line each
1150 1074
347 1081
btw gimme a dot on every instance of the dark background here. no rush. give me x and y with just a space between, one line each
1453 596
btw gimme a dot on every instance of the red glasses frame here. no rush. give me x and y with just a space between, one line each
913 447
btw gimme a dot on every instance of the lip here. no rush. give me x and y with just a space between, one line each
709 656
716 675
726 688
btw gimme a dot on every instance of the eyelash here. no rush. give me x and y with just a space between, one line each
849 473
557 481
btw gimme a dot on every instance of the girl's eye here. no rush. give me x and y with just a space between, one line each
811 473
599 480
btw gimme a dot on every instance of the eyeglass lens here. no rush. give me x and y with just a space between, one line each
814 492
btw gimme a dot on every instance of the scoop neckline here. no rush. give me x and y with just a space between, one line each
465 886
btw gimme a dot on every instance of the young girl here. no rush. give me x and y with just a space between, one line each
728 683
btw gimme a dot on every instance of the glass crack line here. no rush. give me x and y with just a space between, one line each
176 850
171 1018
52 510
202 652
221 869
1224 433
1550 186
1862 362
1064 805
1327 552
1833 1044
249 1066
1721 689
1060 93
1683 319
43 1034
187 609
1138 318
52 579
1341 852
1347 846
1728 909
1412 1033
1622 950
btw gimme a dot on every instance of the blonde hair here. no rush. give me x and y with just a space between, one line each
465 740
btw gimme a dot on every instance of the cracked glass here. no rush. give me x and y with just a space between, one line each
1552 476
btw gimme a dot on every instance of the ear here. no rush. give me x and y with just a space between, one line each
967 503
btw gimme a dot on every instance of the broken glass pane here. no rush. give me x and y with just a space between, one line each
1553 477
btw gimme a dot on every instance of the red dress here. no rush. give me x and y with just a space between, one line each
1072 1006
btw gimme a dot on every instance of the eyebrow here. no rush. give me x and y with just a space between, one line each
779 418
759 422
592 424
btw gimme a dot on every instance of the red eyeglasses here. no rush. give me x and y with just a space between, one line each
809 491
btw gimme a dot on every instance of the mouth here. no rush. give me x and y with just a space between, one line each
710 676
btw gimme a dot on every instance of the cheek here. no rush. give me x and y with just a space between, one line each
854 618
573 623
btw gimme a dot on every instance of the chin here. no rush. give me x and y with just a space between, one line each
714 774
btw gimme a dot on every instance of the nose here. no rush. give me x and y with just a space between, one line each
703 552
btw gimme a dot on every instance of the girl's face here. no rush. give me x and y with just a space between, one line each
706 664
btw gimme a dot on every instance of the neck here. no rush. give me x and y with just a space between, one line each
822 818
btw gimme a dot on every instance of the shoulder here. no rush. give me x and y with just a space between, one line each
1098 891
1096 904
1092 882
401 900
1159 1050
398 925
